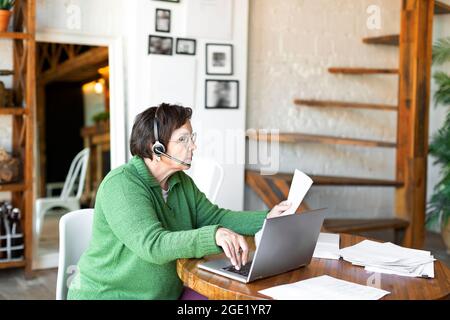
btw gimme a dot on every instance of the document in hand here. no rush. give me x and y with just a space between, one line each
390 258
324 288
300 185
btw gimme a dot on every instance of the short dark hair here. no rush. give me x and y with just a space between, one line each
170 118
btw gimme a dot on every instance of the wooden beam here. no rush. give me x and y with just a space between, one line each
92 57
301 137
413 115
343 104
30 102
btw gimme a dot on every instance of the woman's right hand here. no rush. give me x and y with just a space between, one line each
234 246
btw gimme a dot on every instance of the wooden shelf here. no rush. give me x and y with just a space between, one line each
331 180
14 111
343 104
12 187
15 35
12 264
388 40
362 225
300 137
441 8
355 71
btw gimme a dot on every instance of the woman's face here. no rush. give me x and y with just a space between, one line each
181 146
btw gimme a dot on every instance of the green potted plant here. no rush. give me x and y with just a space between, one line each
439 205
5 13
101 120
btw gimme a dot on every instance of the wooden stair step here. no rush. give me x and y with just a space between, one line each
301 137
356 71
362 225
389 40
344 104
441 8
320 180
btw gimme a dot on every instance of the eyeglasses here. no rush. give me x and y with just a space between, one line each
186 139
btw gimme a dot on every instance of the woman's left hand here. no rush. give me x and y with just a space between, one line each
279 209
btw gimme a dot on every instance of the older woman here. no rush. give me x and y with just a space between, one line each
149 213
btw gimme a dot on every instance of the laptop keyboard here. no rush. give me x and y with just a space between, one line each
244 271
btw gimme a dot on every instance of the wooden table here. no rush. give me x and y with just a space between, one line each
215 286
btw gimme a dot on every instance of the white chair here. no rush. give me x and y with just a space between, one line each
66 200
207 174
75 232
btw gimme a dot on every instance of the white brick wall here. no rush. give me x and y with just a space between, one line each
292 43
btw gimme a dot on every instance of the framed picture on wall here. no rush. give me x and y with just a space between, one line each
160 45
186 46
168 0
219 59
221 94
162 20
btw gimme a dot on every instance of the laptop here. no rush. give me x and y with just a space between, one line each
287 243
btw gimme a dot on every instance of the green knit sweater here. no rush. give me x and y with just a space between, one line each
137 237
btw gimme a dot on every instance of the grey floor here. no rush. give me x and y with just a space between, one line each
14 286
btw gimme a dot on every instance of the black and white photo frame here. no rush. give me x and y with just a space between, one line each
219 59
186 46
221 94
160 45
162 20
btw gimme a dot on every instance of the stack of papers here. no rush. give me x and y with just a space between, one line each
327 246
390 258
324 288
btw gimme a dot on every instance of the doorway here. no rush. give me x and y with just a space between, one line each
72 112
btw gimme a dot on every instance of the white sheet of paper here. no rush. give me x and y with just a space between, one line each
324 288
300 185
327 246
426 271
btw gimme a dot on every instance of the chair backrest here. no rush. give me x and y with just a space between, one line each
77 169
75 232
207 174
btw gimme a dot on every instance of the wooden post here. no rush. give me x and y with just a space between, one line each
30 102
412 129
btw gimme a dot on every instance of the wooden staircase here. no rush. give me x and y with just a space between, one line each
389 40
343 104
349 70
415 44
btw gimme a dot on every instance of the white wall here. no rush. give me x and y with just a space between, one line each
181 79
292 43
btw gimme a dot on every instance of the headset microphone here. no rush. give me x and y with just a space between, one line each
175 159
158 148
